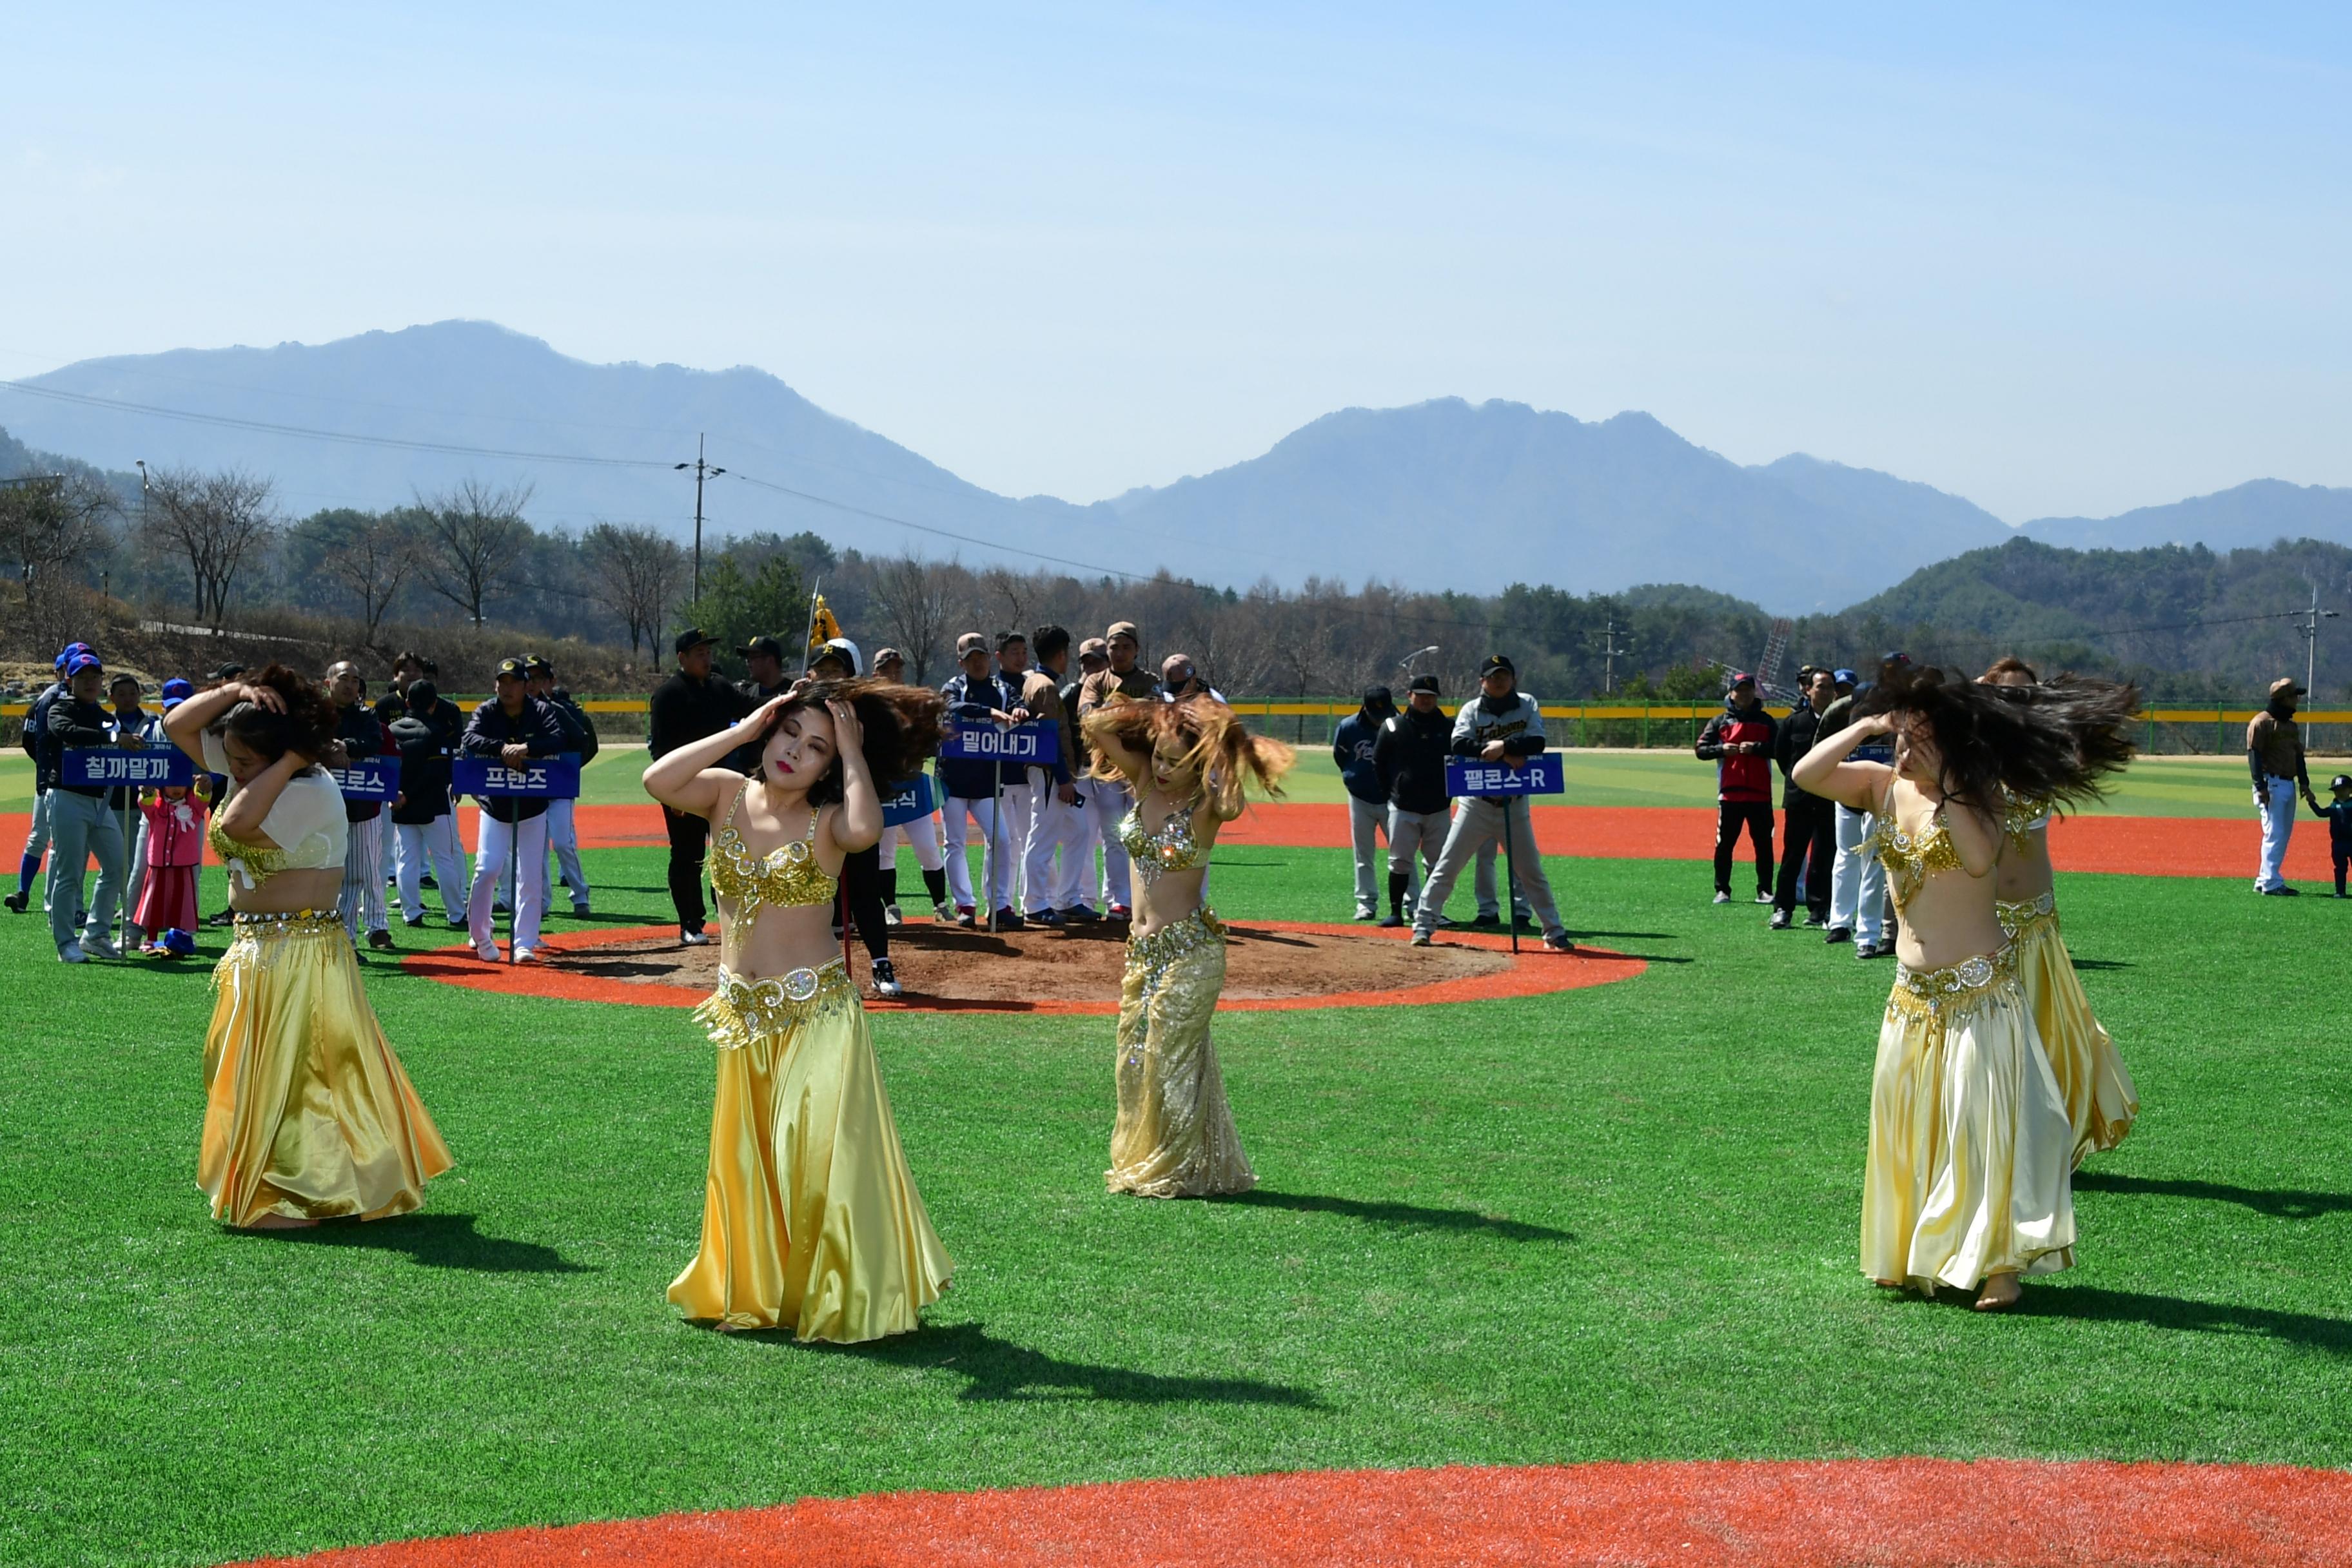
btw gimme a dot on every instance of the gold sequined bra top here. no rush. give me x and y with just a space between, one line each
2019 822
1171 848
1911 861
258 864
787 876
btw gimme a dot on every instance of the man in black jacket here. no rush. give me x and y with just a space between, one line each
578 740
422 816
968 789
1409 755
36 746
512 729
1808 822
80 825
362 735
686 707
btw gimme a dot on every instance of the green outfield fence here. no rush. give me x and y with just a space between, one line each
2170 731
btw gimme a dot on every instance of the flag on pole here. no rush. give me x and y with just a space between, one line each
823 628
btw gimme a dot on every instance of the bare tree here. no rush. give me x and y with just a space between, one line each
915 595
53 521
473 536
1015 590
633 573
370 558
219 522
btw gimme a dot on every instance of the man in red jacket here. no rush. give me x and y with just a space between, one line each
1738 742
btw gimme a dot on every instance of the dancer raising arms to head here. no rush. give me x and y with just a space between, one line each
811 1220
2101 1099
1187 762
1969 1180
308 1114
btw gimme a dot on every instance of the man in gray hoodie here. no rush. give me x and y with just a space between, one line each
1501 724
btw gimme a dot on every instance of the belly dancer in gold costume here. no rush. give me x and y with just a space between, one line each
811 1220
1187 762
2100 1098
308 1114
1969 1177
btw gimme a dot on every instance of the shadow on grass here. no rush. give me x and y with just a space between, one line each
996 1369
2276 1203
433 1240
2105 963
2091 1303
1464 1221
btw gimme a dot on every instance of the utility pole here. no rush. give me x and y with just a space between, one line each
702 471
1609 650
2310 629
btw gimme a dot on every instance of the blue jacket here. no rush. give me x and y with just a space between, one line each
490 730
1351 748
972 701
38 744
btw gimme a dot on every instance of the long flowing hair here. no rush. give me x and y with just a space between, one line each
307 727
1216 744
904 726
2055 741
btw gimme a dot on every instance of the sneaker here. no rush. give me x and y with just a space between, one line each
488 952
689 936
1779 920
942 913
1488 918
1049 917
886 981
1420 937
966 916
1836 934
1368 914
2282 892
1815 922
1392 923
1006 919
100 947
891 917
427 881
225 918
1559 942
1763 895
1121 912
1722 898
381 940
1079 915
71 952
580 910
15 902
459 922
526 955
411 921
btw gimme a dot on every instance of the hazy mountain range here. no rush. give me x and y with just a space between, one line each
1443 494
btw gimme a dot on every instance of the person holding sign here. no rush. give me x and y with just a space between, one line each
811 1219
362 735
1968 1181
308 1112
970 786
80 825
1187 762
512 728
1501 724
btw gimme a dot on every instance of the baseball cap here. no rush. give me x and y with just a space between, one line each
120 677
180 944
2284 686
1741 677
1843 677
1094 647
1176 666
1423 683
1895 656
2340 782
534 664
883 656
1379 696
1006 640
691 638
176 690
970 643
766 646
1496 661
422 693
227 672
80 662
841 649
520 670
1122 629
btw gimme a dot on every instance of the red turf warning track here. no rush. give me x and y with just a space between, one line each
1915 1512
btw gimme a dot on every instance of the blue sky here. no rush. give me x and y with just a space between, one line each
2056 263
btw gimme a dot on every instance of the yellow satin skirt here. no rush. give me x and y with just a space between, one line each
2100 1098
308 1114
1971 1169
810 1216
1174 1137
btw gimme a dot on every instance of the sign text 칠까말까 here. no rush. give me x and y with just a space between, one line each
144 767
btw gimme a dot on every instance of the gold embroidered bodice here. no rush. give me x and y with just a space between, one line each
787 876
258 864
2022 819
1171 848
1910 861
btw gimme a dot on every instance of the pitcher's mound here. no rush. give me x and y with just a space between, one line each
1268 964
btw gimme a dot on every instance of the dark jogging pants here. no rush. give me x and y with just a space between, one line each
1756 816
688 835
1808 842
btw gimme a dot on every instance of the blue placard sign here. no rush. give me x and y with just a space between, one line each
1540 774
150 767
1038 743
368 778
545 778
910 800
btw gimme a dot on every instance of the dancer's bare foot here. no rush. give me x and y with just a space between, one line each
280 1222
2001 1293
1888 1284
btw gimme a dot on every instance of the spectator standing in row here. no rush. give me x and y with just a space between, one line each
80 825
1016 800
45 777
407 669
1075 894
1739 742
580 741
1858 884
1352 741
1409 757
2274 753
131 720
512 728
1808 822
919 834
968 787
1180 678
1111 798
1057 802
362 904
423 815
691 704
1501 724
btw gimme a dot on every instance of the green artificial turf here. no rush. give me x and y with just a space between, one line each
1614 1222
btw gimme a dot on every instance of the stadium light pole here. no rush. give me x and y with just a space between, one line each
702 471
1408 660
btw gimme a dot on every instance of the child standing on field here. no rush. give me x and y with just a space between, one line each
175 848
2339 812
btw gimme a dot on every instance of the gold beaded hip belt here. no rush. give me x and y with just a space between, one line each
260 925
2014 917
1933 992
741 1010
